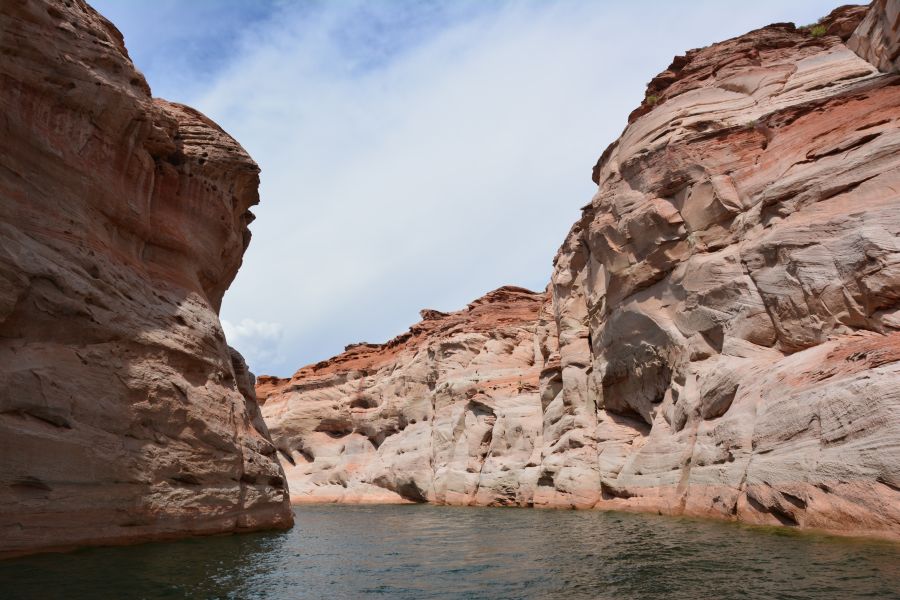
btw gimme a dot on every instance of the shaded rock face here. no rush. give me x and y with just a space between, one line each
449 412
124 415
878 37
721 333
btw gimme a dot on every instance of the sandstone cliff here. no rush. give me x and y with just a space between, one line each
447 412
727 307
721 335
124 415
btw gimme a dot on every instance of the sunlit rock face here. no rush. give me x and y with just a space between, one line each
124 415
720 337
448 412
727 307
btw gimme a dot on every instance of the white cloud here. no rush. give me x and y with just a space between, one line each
260 342
419 154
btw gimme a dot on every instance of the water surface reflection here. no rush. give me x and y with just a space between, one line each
419 552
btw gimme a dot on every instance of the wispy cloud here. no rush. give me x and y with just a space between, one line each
260 342
419 154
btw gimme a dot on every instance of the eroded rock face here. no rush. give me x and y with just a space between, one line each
124 415
727 307
722 331
878 37
448 412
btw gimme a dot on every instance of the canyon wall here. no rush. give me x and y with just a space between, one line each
448 412
124 415
720 337
877 38
727 306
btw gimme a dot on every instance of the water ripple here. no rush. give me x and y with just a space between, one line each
428 552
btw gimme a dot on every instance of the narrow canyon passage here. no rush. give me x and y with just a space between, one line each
719 337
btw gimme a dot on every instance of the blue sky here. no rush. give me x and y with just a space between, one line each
414 154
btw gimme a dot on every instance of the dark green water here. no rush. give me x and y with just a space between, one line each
419 552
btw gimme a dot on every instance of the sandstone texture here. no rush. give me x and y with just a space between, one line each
124 415
877 38
448 412
721 333
727 307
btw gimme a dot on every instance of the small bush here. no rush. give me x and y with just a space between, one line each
816 31
651 100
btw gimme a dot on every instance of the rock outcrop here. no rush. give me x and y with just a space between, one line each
124 415
448 412
878 37
727 307
721 335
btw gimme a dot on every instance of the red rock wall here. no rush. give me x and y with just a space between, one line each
124 415
722 332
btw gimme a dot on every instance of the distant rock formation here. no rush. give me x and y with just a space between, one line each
124 415
426 416
721 335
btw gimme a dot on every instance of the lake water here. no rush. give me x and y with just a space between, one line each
419 552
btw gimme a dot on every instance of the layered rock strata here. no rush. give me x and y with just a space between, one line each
124 415
448 412
721 333
727 307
